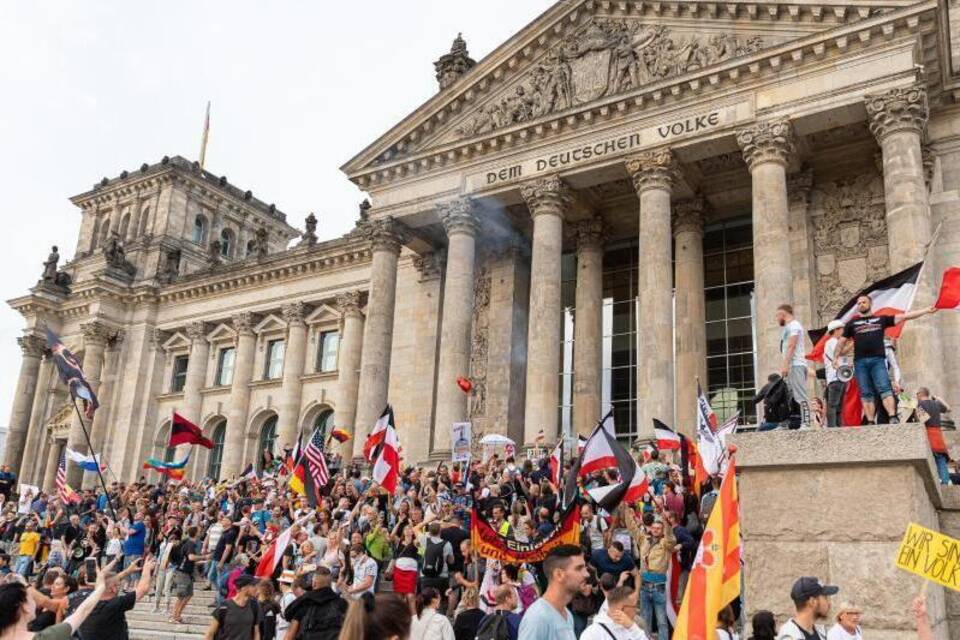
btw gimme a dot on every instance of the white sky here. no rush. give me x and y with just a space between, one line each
92 88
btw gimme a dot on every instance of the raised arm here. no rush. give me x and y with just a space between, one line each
76 618
143 585
911 315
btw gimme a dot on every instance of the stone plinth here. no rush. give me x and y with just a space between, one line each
834 503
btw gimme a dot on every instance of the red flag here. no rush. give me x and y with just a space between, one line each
182 431
556 464
851 412
377 434
949 290
274 553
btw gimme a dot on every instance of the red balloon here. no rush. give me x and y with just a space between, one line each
464 383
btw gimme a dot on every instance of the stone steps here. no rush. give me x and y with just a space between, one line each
147 624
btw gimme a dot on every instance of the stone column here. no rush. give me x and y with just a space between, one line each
460 223
95 336
689 310
384 235
767 147
348 366
294 357
588 327
235 439
547 199
897 119
98 426
36 433
195 381
53 461
32 348
653 175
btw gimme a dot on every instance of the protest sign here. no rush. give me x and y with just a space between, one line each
460 437
930 555
27 493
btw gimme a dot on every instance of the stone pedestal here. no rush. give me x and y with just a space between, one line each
802 513
897 119
767 147
95 336
689 311
348 366
384 237
588 327
32 348
547 199
194 382
653 175
232 462
460 223
294 358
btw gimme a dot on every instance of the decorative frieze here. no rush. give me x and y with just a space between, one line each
769 141
480 339
549 195
654 169
459 216
900 109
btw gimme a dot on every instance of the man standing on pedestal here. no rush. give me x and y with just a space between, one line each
793 366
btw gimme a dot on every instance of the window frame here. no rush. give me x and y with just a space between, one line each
268 360
218 379
176 376
219 436
324 334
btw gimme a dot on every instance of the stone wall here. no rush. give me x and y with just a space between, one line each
835 504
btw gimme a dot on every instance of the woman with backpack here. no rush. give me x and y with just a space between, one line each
430 624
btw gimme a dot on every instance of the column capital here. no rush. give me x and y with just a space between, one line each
900 109
96 333
116 339
32 346
654 169
549 195
294 313
243 323
349 303
157 338
196 330
383 234
799 186
767 141
689 215
590 234
430 265
459 216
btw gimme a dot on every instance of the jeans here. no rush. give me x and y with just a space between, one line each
872 378
23 565
653 600
942 470
835 402
768 426
127 561
223 575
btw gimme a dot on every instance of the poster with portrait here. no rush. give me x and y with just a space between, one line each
460 433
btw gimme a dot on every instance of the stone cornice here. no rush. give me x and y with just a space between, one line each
842 40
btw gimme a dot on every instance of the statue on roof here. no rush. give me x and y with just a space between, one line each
50 266
309 236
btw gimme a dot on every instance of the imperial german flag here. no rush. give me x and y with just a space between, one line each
715 578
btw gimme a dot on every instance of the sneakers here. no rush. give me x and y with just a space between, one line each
894 420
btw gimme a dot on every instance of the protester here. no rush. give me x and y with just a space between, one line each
502 623
726 624
929 411
763 625
848 623
833 360
18 606
238 618
810 598
618 621
793 365
108 618
429 623
468 620
548 618
656 550
381 617
319 613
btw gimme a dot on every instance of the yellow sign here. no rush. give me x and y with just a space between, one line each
930 555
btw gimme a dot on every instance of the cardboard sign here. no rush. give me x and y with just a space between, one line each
930 555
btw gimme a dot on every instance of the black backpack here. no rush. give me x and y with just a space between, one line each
322 623
433 558
776 404
493 627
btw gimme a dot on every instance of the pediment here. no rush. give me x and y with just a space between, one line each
577 55
221 332
271 322
323 313
177 341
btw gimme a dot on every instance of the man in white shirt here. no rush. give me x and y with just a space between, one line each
793 366
848 624
618 621
364 573
832 361
594 525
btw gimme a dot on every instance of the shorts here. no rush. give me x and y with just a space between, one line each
872 377
181 585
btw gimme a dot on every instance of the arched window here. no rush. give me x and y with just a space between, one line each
95 236
251 247
169 454
324 422
216 454
144 221
200 230
226 243
268 440
124 225
104 232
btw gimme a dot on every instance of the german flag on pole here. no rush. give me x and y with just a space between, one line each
715 578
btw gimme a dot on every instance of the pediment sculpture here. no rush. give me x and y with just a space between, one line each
609 57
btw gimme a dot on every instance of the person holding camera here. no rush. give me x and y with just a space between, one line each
837 367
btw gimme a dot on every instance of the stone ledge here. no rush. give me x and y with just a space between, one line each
875 445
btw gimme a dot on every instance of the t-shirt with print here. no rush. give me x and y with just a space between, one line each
791 329
867 333
542 622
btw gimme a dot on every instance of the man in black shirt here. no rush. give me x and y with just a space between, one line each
223 554
108 620
869 355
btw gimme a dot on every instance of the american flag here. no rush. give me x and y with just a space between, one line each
316 461
64 492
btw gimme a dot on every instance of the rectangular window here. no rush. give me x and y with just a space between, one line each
327 353
273 367
179 374
225 366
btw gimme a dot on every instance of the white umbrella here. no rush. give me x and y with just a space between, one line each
495 439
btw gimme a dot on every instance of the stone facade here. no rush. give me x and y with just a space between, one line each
596 127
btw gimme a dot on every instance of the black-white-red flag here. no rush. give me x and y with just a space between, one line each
622 477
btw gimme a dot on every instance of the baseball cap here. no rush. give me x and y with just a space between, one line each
835 324
809 587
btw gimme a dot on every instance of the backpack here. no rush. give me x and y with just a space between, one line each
433 559
321 623
493 627
776 404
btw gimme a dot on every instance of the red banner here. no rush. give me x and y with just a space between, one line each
490 544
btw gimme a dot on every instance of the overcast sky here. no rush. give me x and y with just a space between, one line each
92 88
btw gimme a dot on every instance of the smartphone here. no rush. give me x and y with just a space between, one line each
91 568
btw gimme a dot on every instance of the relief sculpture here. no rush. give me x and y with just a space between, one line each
609 57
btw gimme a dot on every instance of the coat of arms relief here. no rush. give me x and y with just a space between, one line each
607 58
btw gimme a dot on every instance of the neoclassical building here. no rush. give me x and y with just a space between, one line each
603 210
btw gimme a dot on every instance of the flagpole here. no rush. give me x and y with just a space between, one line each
86 436
923 265
206 132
